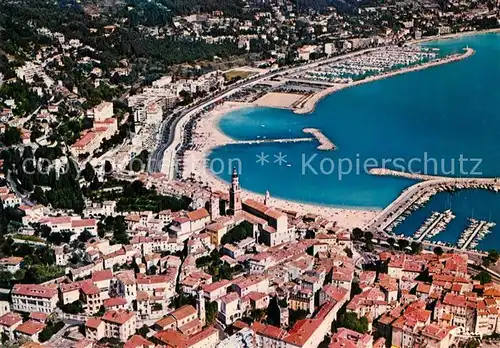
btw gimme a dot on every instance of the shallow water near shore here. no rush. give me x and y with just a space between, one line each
437 116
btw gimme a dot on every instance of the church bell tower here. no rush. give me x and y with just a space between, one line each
235 193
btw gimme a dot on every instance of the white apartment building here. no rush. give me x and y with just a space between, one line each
34 298
101 112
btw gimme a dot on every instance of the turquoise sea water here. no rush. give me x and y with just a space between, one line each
440 120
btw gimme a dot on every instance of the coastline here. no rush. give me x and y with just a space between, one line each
455 35
208 136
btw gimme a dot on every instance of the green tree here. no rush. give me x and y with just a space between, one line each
88 172
472 343
211 310
368 236
5 278
108 167
348 252
355 289
486 262
51 329
273 312
296 315
143 331
12 136
351 321
38 196
403 244
258 314
357 233
72 308
438 251
484 277
493 256
238 233
85 236
416 247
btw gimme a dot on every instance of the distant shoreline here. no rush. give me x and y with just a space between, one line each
310 104
454 36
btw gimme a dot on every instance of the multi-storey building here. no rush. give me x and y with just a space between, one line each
118 324
34 298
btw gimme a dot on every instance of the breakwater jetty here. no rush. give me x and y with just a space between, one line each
427 187
413 176
325 144
267 141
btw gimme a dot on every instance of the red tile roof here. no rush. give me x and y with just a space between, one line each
217 285
30 327
302 331
34 290
90 289
119 317
268 331
106 274
165 322
11 261
114 301
172 338
183 312
39 316
137 341
83 223
75 286
9 319
93 322
197 214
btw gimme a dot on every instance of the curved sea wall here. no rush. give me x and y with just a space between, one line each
309 105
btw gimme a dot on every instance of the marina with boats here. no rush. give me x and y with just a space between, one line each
370 64
474 233
418 203
433 225
424 210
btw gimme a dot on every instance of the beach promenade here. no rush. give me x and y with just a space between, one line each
163 158
171 132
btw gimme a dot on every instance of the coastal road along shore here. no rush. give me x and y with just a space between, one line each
163 157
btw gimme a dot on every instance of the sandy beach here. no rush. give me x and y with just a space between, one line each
208 136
